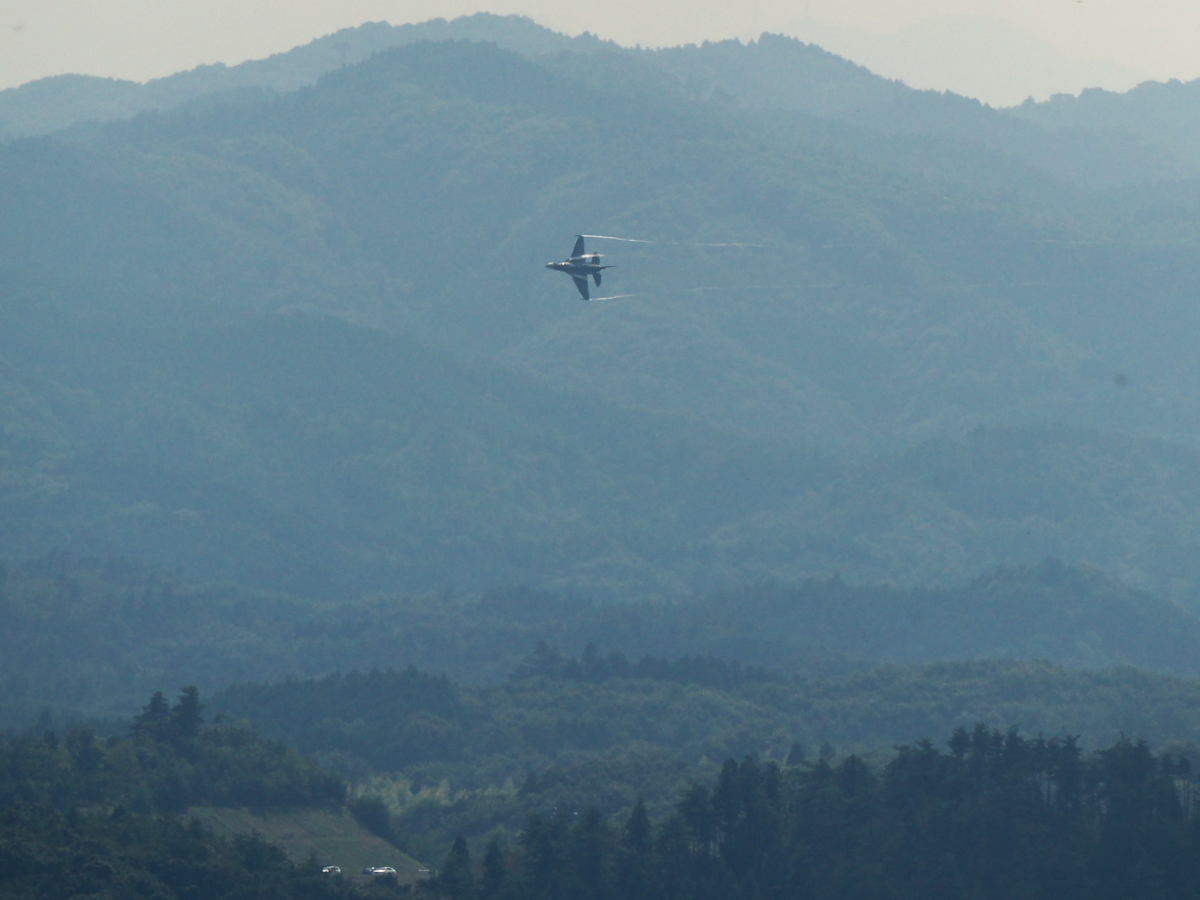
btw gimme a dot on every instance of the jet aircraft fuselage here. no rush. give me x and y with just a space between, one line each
579 266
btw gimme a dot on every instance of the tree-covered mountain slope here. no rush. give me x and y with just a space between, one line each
601 733
51 104
1101 138
1167 114
410 722
93 637
306 343
994 816
777 72
172 807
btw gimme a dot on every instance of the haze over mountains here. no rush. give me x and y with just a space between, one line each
1136 137
980 56
284 325
884 425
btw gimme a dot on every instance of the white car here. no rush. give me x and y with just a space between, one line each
383 870
332 870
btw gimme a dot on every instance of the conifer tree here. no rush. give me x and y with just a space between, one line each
154 717
456 879
185 715
637 828
494 873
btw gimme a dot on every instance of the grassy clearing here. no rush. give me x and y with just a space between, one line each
332 835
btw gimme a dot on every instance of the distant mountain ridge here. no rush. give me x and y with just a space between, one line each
51 104
90 637
286 391
306 342
777 72
1098 139
1164 112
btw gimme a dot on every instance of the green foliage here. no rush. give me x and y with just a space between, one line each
95 637
594 667
47 853
372 814
292 342
170 762
458 758
998 816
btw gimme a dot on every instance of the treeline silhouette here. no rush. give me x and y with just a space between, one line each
48 854
87 815
572 732
995 815
594 667
169 762
93 637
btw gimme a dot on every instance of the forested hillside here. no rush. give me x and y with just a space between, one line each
996 810
171 760
94 637
123 815
1155 113
602 730
53 854
997 816
1145 142
305 342
885 423
1100 139
50 104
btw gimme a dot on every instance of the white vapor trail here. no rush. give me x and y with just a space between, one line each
752 287
611 237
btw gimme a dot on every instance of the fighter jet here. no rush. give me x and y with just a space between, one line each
580 267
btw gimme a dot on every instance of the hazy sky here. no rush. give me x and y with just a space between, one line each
999 50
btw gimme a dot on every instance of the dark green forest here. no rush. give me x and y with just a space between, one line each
998 815
601 730
87 815
93 637
45 853
885 424
169 761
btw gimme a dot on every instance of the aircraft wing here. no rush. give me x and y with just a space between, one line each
581 283
578 251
